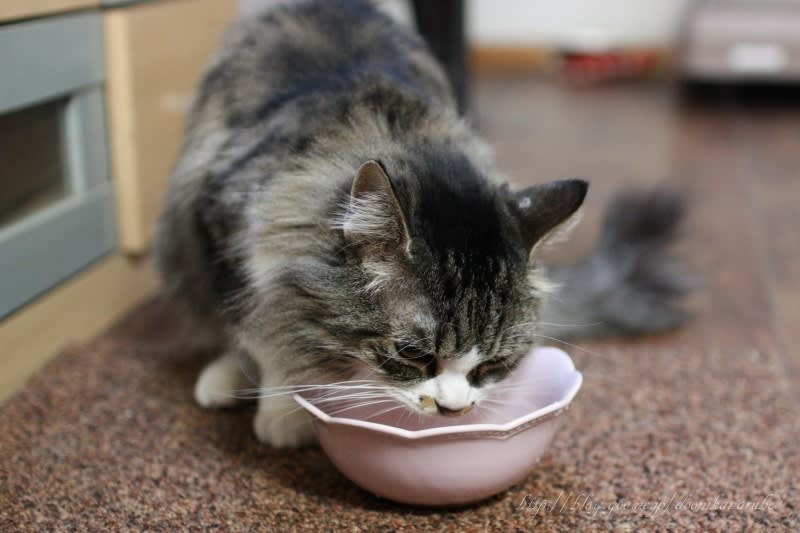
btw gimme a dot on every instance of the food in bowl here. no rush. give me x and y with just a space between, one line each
435 460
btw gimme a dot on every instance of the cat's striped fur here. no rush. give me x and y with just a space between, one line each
317 270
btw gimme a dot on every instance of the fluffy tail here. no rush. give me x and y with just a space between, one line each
630 285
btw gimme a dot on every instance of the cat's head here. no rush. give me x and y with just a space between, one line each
446 259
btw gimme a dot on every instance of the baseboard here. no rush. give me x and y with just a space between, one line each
510 59
74 311
638 61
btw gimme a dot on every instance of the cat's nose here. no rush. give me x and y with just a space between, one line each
446 411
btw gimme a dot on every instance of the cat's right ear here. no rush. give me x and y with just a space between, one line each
374 221
544 208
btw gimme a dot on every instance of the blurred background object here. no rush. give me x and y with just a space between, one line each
442 24
584 40
742 40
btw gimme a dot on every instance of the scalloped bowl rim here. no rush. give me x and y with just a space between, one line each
466 429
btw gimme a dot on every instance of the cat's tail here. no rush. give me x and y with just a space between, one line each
630 284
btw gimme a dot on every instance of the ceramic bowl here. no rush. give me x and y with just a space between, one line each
436 460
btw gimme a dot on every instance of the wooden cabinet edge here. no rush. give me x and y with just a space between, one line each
11 10
122 129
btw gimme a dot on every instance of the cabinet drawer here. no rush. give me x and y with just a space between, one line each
155 55
56 210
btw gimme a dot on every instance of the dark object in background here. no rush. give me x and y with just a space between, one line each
741 41
442 24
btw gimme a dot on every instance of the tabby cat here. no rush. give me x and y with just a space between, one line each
331 213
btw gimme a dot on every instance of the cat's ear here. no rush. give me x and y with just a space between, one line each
374 220
542 209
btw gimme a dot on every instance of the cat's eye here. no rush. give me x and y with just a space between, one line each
413 354
494 369
397 369
405 362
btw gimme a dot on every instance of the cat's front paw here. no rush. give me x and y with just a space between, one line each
219 382
286 427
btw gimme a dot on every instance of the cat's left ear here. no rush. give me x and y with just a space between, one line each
542 209
374 220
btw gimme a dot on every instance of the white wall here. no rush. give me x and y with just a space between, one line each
574 22
399 9
556 22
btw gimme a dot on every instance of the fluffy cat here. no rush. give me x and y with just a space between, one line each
331 213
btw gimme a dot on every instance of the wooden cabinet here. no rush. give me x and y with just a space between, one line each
56 199
155 55
55 90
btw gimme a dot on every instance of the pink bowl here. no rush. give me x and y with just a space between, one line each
434 460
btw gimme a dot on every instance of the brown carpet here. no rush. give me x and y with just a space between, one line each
107 438
696 430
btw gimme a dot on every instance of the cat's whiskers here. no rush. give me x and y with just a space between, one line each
386 411
500 401
360 405
558 325
301 388
304 421
520 325
340 395
348 398
408 414
328 388
506 388
547 337
577 347
492 410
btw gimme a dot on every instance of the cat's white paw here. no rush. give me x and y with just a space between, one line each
218 383
285 426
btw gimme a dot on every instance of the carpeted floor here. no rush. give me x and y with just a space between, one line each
698 429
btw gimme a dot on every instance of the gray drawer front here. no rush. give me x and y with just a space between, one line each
41 60
48 247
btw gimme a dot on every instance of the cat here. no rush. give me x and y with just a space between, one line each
331 213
